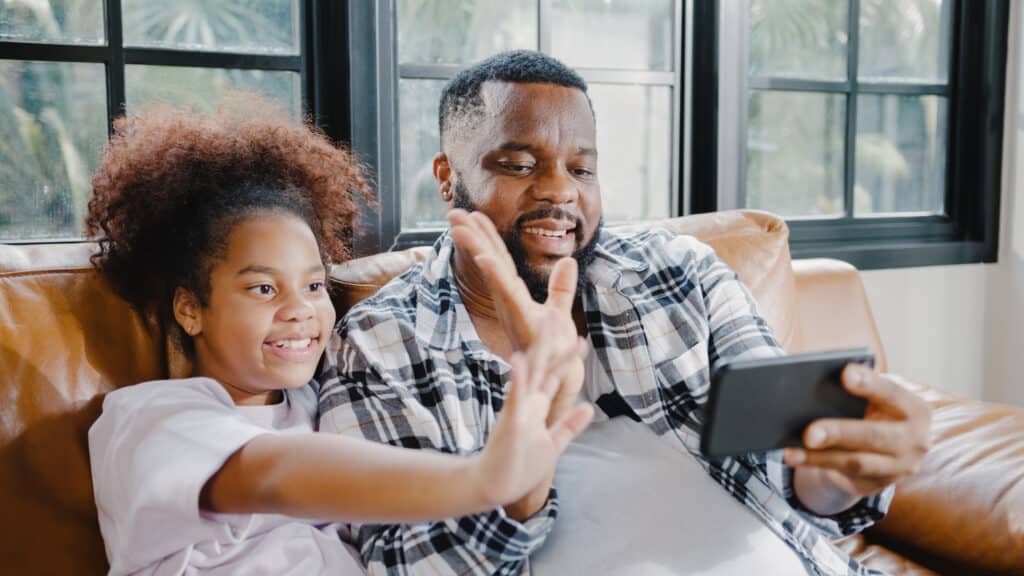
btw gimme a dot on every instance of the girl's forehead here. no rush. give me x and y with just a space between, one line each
272 239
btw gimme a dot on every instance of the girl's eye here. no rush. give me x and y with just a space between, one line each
262 289
316 286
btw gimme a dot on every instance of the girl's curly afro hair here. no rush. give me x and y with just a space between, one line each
172 183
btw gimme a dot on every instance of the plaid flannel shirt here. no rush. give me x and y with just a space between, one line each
661 310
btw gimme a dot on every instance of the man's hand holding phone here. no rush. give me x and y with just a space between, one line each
861 457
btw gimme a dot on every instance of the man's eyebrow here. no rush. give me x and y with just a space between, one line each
516 147
269 270
524 147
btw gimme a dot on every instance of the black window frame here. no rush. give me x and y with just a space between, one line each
375 69
322 64
969 231
340 64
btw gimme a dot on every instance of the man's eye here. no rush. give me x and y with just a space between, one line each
583 172
517 168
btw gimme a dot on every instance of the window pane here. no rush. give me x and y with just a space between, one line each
463 31
798 38
205 88
252 26
795 153
616 34
901 154
633 138
634 143
53 125
64 21
905 40
420 141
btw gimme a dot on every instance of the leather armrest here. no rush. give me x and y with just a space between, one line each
834 309
965 507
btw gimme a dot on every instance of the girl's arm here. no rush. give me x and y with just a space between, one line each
330 476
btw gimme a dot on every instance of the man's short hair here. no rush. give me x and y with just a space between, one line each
461 100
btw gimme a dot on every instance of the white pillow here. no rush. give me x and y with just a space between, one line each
632 503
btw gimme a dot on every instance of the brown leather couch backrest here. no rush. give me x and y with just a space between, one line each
755 244
66 339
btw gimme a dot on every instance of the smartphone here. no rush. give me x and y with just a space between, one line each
757 405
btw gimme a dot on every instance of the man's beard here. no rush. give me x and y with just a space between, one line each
536 280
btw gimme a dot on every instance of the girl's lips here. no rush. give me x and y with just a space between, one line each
290 353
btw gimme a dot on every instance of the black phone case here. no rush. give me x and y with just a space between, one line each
758 405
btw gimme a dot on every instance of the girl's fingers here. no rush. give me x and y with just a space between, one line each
562 284
570 426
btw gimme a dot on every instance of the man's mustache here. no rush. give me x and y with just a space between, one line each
551 212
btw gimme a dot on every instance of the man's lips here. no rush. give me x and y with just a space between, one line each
553 237
549 228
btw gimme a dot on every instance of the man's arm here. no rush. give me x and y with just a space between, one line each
739 331
356 399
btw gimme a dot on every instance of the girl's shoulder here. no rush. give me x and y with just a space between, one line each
161 393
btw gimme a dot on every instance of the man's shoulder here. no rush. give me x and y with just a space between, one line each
656 247
396 300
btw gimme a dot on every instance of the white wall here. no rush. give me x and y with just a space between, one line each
961 328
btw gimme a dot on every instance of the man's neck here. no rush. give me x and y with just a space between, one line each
472 288
480 306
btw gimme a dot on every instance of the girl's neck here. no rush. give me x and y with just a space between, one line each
240 396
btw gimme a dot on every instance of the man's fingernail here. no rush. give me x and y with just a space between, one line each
856 378
796 456
816 437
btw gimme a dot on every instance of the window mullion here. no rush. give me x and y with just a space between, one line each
544 11
115 63
850 149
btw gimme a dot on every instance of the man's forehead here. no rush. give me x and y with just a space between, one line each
525 112
501 97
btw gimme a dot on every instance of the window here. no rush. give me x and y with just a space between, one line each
68 67
873 126
628 51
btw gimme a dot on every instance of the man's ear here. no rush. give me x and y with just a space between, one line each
443 175
187 311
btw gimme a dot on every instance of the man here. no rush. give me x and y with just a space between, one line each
422 363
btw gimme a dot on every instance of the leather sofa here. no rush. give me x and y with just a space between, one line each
65 340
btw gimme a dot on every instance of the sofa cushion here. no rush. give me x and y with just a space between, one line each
65 340
963 510
755 244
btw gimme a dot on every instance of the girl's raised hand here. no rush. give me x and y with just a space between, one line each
523 449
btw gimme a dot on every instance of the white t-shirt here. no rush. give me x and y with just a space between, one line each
152 450
633 503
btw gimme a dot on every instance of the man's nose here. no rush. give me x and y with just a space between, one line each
557 186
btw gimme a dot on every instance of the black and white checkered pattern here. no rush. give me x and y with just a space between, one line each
662 310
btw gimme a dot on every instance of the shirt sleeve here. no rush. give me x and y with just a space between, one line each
151 451
355 399
738 331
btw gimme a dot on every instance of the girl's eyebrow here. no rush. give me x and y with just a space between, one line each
271 271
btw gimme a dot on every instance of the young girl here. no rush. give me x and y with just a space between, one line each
222 229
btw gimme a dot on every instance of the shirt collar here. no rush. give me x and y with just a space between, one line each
443 322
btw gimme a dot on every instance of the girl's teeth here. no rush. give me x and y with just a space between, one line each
293 343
